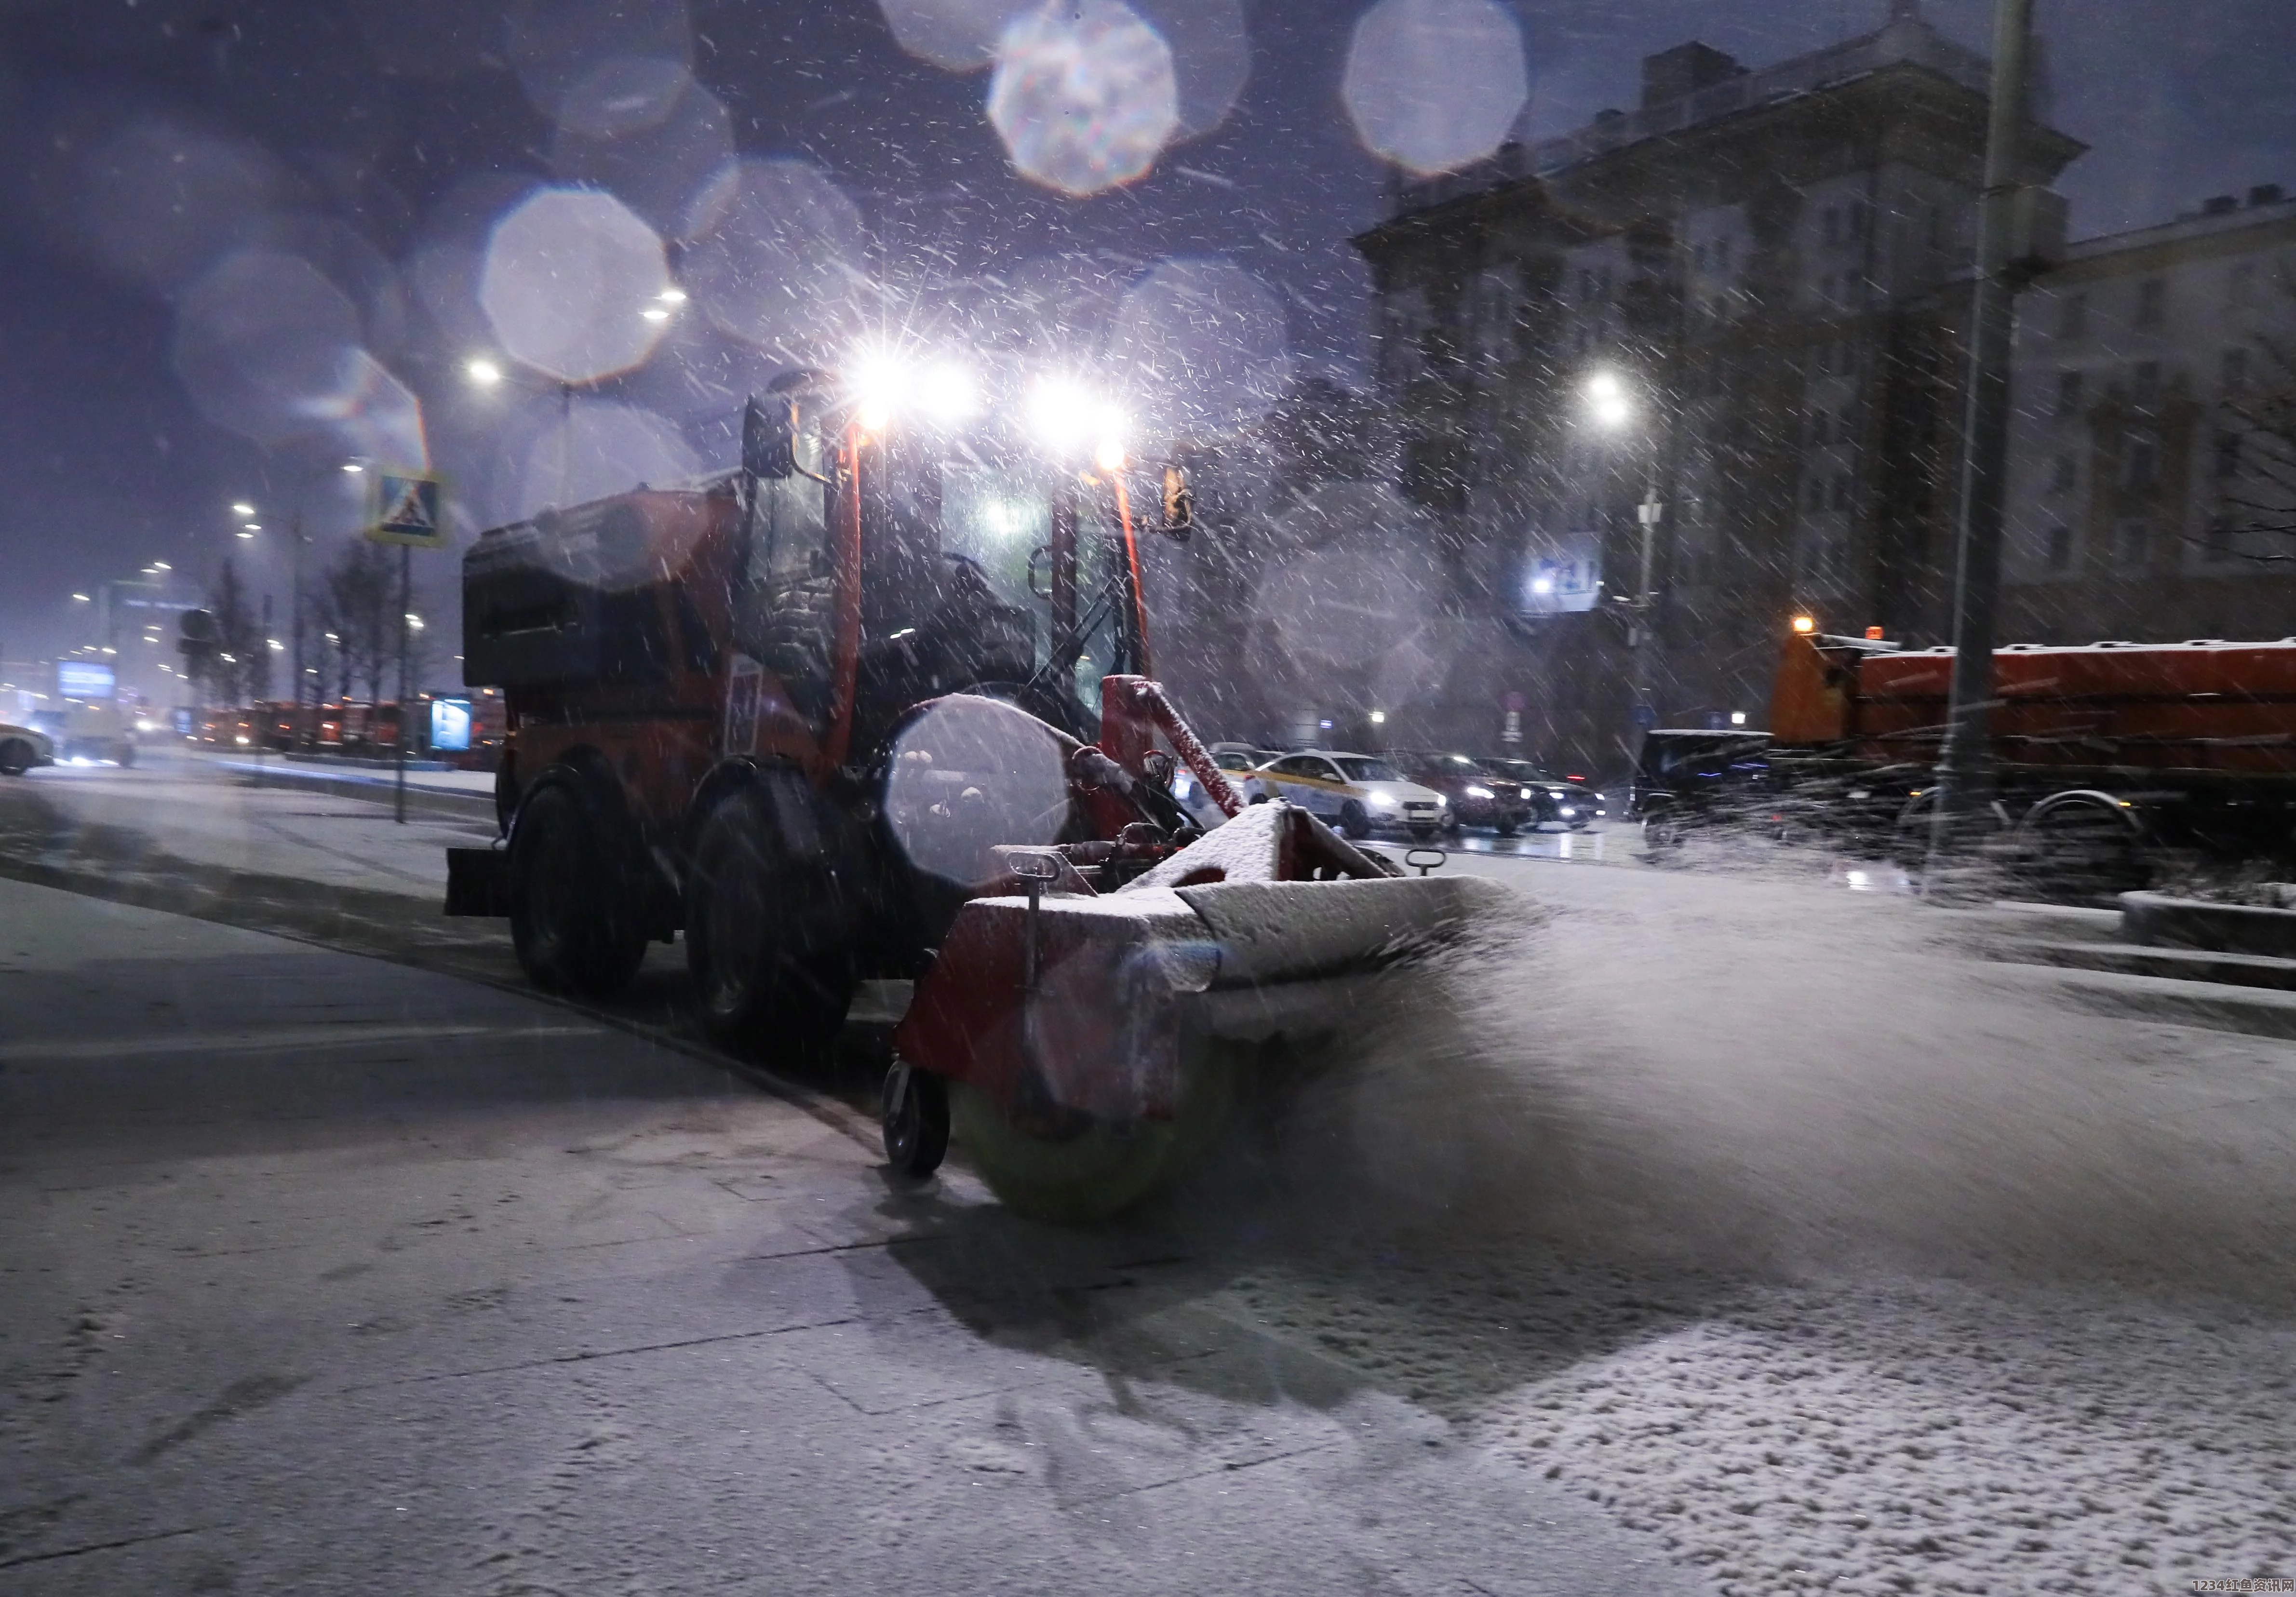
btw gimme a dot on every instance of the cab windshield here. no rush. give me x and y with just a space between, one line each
1368 770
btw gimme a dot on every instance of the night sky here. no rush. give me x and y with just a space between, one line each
378 139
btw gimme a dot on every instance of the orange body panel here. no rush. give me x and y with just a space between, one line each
2224 708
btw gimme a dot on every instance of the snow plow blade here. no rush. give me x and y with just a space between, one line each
1090 1039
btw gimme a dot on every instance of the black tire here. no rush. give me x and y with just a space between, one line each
913 1114
1353 822
15 758
572 920
1422 834
765 925
127 756
1257 798
1505 829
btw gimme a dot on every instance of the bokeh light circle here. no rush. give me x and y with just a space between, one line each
1211 56
1434 85
1200 348
1356 586
967 774
1084 95
593 448
653 147
777 260
568 276
263 341
159 200
558 46
958 34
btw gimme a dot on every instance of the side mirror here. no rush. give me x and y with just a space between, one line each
1179 504
769 436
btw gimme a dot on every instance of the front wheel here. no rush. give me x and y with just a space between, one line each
1422 834
15 758
765 924
572 918
1354 822
914 1116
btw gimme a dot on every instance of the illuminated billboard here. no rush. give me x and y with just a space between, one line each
1562 576
84 679
450 725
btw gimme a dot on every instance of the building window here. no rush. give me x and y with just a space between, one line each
2069 393
2235 368
1842 488
1722 256
2073 317
1861 221
1833 226
2129 540
2062 474
1817 433
2144 384
2227 455
2217 547
1817 493
2061 548
2144 462
2153 303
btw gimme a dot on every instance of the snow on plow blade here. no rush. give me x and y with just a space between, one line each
1089 1015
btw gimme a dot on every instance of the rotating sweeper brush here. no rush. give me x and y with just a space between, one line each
1085 1044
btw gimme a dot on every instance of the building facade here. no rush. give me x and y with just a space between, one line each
1672 379
2147 481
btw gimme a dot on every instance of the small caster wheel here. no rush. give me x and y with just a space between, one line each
916 1120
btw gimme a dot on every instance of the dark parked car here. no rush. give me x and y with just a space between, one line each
1688 777
1555 801
1479 796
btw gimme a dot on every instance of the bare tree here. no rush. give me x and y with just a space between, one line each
357 609
2255 460
238 670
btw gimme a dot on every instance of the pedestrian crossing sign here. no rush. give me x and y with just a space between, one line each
406 510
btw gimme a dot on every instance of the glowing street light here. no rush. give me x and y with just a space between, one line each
243 509
1805 624
482 372
354 467
79 599
1608 404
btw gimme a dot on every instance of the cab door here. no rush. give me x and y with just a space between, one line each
1322 790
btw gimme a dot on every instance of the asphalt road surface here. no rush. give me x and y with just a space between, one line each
324 1275
1749 1229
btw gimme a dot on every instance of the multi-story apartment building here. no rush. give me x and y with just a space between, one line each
2134 458
1741 303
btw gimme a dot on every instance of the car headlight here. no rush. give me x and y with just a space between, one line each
1382 801
1569 810
1479 793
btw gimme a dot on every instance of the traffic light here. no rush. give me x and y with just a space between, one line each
196 641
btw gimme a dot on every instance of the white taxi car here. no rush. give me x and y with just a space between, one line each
1354 793
23 746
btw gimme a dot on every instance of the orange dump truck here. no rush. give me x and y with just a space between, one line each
2107 752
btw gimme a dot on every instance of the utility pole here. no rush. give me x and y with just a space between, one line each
406 711
1966 761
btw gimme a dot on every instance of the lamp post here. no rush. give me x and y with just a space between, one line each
1611 409
1965 760
297 538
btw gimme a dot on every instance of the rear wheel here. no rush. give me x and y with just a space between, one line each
1354 822
765 924
2084 844
572 919
15 758
1101 1167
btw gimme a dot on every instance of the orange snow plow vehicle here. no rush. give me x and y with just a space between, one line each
805 714
2109 756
